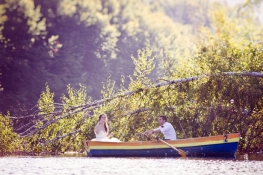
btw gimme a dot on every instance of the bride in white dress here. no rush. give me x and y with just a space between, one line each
102 130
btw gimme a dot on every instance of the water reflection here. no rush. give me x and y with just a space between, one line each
250 157
258 156
80 164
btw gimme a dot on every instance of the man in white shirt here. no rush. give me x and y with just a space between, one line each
165 128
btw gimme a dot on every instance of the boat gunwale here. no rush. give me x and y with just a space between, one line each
198 139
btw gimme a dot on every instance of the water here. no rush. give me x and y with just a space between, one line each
243 165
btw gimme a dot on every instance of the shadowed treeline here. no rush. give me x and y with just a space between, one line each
71 42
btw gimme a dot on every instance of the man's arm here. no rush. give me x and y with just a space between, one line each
150 132
157 130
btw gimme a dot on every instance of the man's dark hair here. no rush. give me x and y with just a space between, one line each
163 117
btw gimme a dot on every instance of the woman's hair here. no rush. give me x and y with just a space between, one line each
106 126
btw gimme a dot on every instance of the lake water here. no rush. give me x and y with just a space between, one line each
243 165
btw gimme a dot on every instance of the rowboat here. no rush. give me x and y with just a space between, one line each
212 146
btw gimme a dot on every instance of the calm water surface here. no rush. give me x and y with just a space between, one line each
243 165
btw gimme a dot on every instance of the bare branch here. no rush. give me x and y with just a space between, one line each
60 137
251 74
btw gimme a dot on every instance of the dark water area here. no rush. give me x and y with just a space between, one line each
250 157
80 164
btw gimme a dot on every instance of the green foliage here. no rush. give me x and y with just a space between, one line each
144 65
42 141
9 140
46 101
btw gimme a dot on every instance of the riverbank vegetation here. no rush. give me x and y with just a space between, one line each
199 65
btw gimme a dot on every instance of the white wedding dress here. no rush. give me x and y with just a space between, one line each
102 136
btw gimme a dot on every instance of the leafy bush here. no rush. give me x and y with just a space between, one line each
9 140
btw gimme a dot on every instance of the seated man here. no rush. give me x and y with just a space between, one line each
165 128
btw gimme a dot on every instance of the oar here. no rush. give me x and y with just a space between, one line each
181 152
148 138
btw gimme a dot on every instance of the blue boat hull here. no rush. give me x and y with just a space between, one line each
224 150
